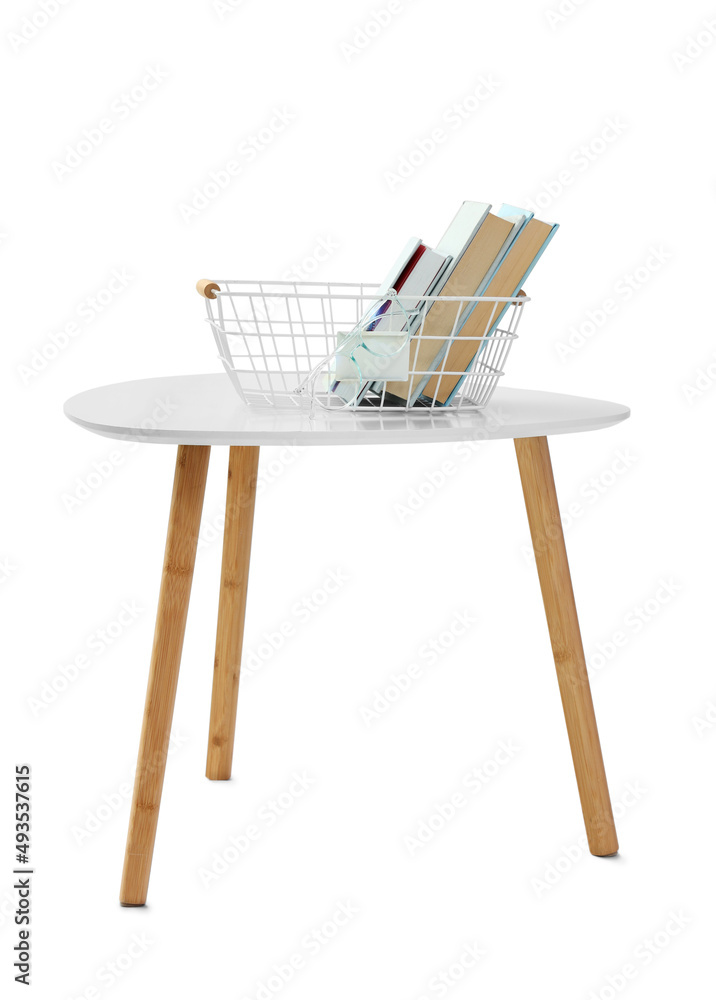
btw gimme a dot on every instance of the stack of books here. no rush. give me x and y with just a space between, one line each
481 254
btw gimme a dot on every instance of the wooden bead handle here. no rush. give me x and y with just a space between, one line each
207 288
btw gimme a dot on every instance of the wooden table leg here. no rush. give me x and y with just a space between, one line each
179 557
238 527
554 577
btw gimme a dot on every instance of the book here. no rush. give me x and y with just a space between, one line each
413 246
409 256
507 281
395 281
392 316
512 212
405 262
457 238
383 357
519 217
461 231
467 278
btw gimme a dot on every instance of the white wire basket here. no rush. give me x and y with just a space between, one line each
292 344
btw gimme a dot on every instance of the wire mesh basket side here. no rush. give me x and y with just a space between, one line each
292 344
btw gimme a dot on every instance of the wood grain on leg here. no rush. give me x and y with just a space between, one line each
553 569
179 557
238 527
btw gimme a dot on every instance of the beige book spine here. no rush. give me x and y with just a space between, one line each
466 277
508 277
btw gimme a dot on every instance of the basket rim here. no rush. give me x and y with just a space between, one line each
516 299
373 286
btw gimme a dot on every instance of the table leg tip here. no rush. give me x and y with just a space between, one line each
605 852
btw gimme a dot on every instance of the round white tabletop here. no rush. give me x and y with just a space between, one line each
204 409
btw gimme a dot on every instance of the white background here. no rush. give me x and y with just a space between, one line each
358 103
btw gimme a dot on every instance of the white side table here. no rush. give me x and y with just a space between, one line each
206 411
